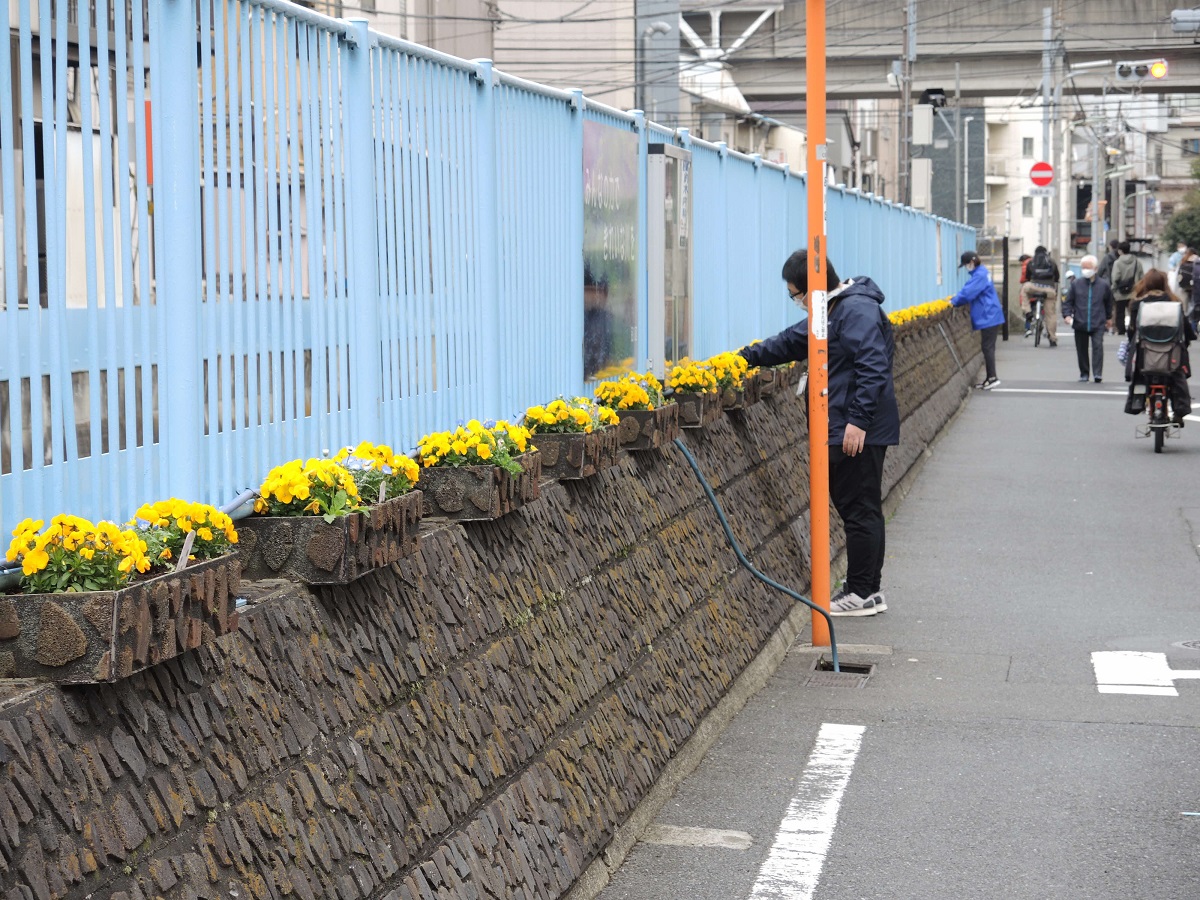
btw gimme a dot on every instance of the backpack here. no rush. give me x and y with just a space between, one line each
1125 273
1041 269
1185 274
1160 337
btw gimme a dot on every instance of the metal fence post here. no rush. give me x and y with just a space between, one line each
365 335
176 139
486 189
645 363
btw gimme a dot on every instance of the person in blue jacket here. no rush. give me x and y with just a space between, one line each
987 315
864 419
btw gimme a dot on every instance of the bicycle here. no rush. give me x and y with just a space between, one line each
1035 310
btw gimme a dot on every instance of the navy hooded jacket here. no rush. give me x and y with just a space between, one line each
861 348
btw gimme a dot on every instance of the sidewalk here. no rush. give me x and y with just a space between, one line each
984 762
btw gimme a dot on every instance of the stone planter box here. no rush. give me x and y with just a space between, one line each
649 429
480 493
103 636
310 550
698 410
734 399
572 456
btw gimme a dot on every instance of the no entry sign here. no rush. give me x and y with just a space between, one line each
1041 174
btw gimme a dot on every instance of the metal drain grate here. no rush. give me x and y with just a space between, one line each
852 675
835 679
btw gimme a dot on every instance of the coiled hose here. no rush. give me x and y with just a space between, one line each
741 557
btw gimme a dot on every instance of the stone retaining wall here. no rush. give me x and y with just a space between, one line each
474 722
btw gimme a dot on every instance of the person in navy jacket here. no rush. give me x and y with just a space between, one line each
864 419
986 313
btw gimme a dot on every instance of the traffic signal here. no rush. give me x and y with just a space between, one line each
1142 70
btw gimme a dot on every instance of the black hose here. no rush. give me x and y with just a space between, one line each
712 498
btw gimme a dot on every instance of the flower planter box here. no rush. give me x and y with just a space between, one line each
103 636
310 550
649 429
698 410
572 456
734 399
480 493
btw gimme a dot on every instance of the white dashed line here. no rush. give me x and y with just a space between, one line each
793 866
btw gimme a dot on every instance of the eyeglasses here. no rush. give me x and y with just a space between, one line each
795 295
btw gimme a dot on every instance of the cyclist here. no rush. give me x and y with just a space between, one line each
1041 283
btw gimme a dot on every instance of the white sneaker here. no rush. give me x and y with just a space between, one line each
850 604
879 600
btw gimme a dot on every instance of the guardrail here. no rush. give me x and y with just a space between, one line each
319 234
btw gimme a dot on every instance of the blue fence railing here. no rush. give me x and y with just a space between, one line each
318 234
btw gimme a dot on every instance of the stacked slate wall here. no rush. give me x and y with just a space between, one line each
472 723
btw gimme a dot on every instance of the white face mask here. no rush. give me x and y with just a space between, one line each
1087 273
970 267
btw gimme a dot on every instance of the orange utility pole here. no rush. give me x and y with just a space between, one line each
818 346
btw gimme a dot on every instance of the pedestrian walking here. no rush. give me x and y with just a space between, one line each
1106 264
864 419
1088 309
1040 274
986 313
1127 271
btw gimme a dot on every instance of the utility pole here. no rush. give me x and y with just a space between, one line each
910 56
1099 152
818 332
1047 153
958 138
1062 172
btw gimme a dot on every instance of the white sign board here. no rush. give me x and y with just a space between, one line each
1041 192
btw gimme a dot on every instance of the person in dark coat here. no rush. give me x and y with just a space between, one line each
864 419
1106 264
1088 308
986 313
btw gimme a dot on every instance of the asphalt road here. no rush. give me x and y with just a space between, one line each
990 764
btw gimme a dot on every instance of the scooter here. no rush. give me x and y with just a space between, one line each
1161 424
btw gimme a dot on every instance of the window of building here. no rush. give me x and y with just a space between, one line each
1027 206
1191 146
1027 148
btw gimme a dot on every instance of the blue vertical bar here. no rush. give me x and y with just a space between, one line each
12 317
151 478
207 338
488 236
125 249
643 278
574 207
177 140
360 187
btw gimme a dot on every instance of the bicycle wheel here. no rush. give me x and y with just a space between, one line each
1160 435
1037 328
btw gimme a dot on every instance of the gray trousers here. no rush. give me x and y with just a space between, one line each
1096 340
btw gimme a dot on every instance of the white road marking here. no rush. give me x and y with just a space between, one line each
1003 390
1135 672
685 836
793 866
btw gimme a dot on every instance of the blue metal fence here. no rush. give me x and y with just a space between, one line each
317 235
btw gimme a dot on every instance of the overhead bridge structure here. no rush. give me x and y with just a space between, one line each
998 46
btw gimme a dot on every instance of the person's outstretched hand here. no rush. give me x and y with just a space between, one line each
854 440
